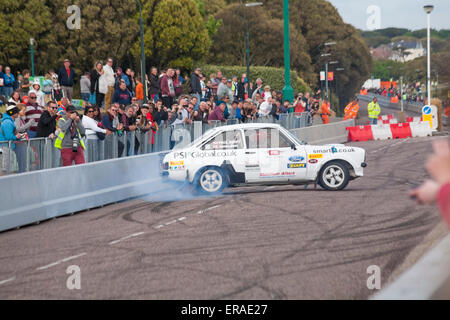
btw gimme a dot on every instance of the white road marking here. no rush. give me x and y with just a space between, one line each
127 237
159 227
171 222
271 187
7 280
182 218
208 209
60 261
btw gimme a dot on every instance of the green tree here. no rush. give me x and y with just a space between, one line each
21 20
175 33
107 29
265 38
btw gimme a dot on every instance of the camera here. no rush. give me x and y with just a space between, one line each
75 143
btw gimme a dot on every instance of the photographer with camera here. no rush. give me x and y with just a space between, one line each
70 138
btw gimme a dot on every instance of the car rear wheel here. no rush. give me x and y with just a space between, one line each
211 180
334 176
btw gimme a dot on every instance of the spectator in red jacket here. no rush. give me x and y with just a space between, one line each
437 189
168 88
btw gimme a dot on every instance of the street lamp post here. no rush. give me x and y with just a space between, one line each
288 91
337 88
247 44
32 56
143 68
428 9
326 72
331 63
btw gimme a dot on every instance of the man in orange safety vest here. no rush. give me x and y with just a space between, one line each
325 111
351 110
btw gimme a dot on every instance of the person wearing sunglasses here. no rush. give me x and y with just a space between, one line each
47 123
33 113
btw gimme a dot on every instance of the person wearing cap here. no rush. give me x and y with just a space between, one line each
374 110
66 78
8 133
36 89
70 138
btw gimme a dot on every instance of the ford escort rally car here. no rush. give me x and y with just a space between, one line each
264 154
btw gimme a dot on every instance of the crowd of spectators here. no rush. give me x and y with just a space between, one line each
412 92
113 102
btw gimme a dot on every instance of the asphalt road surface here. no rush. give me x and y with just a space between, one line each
251 243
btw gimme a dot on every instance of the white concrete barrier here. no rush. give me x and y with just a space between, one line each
421 129
381 132
40 195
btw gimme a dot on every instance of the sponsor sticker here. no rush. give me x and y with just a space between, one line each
274 152
269 175
334 150
313 161
296 159
296 165
315 156
175 168
204 154
176 163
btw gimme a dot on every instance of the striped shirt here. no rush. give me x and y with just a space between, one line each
33 112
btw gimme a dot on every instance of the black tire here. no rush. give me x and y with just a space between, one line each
210 180
334 176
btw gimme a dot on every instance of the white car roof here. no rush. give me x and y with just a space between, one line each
247 126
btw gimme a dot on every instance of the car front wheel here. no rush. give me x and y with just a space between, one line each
334 176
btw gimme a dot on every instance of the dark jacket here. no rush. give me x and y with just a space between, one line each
122 97
195 84
154 84
65 80
46 125
95 76
241 91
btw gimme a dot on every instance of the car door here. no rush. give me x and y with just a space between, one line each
263 157
227 146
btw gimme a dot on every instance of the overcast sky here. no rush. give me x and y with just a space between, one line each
394 13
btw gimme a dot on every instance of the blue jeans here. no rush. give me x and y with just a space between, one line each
85 96
373 120
32 134
7 92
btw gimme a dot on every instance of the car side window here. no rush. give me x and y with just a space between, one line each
266 138
227 140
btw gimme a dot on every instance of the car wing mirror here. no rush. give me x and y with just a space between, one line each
293 147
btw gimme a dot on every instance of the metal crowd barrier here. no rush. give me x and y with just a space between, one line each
386 102
40 153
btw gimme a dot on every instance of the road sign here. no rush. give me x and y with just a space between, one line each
430 114
330 76
322 75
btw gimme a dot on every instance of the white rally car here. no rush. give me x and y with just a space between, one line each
264 154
